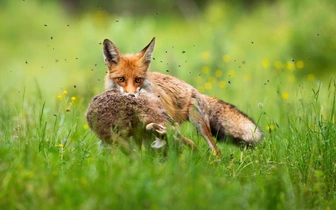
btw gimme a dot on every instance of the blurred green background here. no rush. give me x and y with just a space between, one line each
244 52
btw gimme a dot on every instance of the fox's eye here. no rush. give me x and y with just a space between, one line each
121 79
138 80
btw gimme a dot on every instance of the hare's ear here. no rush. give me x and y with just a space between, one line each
111 53
147 52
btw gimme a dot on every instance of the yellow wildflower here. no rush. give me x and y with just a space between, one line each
206 55
222 84
278 64
265 63
284 96
226 58
269 127
290 66
205 69
299 64
208 85
232 73
199 80
201 89
218 73
310 77
212 80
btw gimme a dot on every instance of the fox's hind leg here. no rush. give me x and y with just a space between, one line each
202 124
179 137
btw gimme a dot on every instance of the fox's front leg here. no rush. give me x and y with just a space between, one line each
201 122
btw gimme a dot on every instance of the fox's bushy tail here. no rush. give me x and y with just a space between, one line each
228 121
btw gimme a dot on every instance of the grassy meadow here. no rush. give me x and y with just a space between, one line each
276 63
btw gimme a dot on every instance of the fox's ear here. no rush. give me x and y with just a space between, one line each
147 52
111 53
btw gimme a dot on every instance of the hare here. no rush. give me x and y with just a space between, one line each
124 120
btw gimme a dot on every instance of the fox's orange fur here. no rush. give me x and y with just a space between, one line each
210 116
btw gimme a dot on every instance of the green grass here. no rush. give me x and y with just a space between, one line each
49 159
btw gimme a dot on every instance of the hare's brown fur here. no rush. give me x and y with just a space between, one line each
123 119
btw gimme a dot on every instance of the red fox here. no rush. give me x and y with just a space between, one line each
212 117
116 118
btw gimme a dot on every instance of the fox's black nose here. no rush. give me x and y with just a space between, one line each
133 95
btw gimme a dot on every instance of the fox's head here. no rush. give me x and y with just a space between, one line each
127 72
